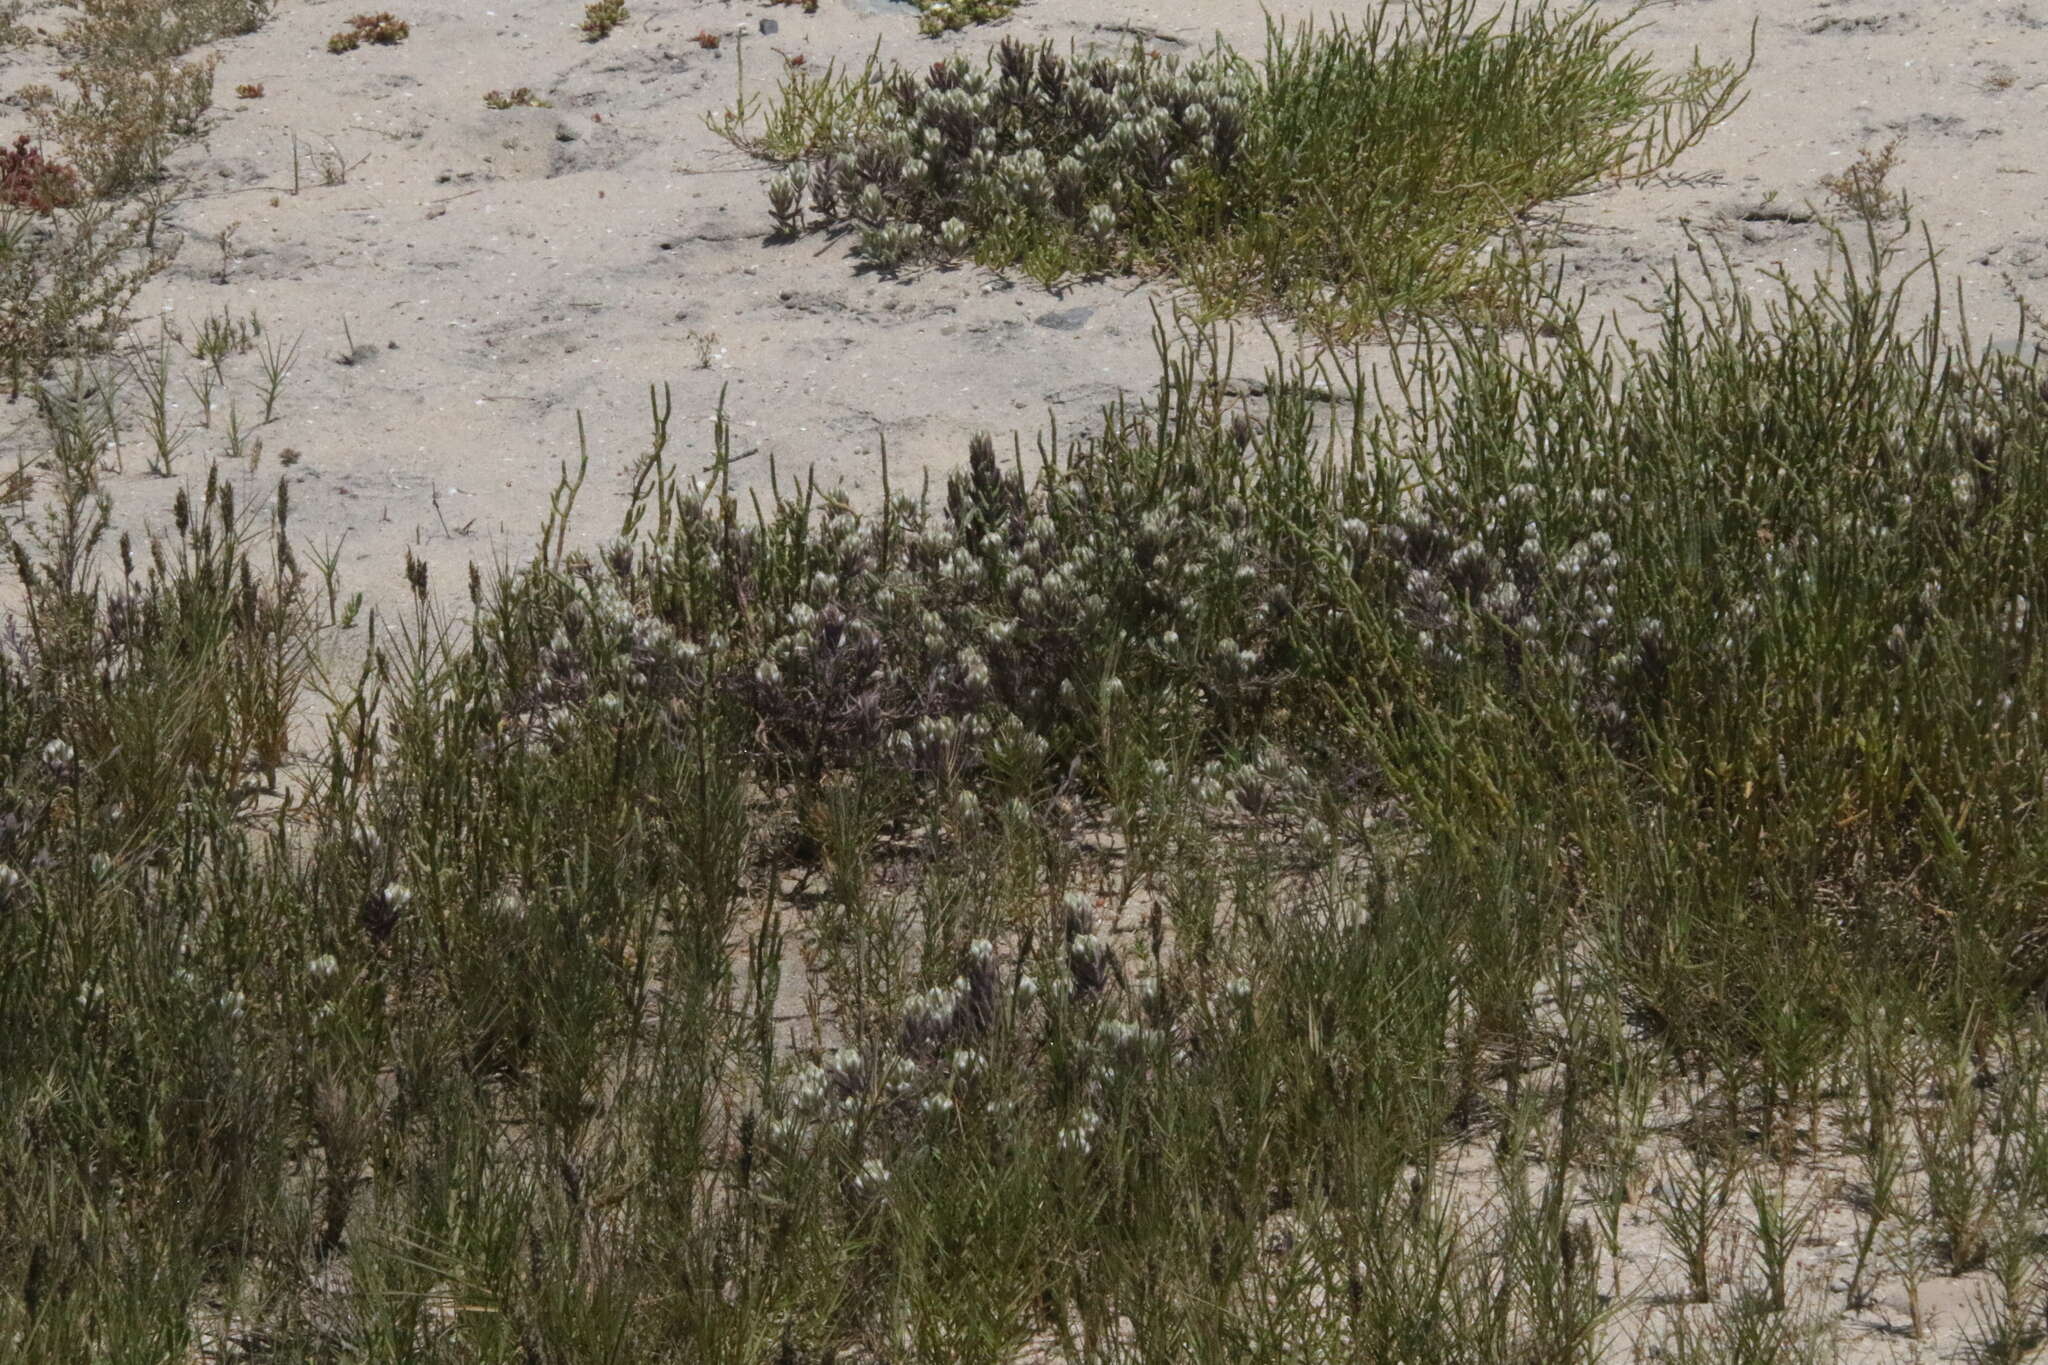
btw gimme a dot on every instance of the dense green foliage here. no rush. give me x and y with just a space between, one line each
1265 879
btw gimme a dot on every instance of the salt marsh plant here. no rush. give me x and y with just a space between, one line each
66 279
1862 186
944 16
1350 173
83 197
132 95
600 17
383 28
813 113
1254 880
1025 148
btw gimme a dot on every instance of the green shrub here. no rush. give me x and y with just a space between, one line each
1350 174
66 279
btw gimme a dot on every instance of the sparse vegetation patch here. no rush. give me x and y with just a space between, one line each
82 197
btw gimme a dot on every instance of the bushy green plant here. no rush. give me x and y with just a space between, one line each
1391 165
132 97
66 280
1035 154
1351 173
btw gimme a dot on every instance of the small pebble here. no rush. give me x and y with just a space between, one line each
769 26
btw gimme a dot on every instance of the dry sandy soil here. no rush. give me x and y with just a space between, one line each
477 279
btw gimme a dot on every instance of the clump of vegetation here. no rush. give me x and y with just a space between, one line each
251 91
29 180
1268 871
66 280
1351 173
600 17
1038 155
382 28
521 97
71 256
945 16
1273 872
130 96
813 114
134 99
706 39
1863 186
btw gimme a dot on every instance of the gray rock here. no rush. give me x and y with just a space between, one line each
769 26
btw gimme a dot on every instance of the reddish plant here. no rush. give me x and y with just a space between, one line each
385 28
30 180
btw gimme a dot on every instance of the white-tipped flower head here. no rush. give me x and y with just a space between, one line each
955 238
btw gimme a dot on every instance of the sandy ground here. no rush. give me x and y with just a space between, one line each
472 281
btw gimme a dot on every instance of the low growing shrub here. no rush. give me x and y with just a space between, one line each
1352 172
